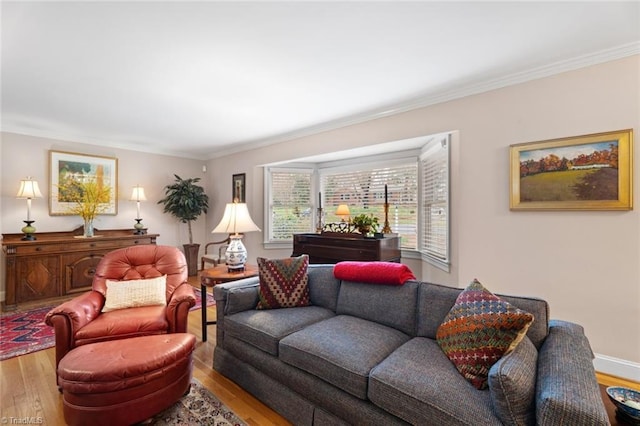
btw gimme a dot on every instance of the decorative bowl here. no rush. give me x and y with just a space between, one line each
626 400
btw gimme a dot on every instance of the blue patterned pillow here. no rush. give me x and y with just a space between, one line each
284 283
478 330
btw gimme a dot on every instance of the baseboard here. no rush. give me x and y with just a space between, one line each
622 368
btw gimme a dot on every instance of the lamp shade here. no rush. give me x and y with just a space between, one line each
236 219
138 194
29 189
342 210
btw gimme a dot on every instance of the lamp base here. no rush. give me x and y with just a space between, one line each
139 227
28 231
236 254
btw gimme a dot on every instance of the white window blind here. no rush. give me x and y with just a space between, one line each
362 188
290 204
434 165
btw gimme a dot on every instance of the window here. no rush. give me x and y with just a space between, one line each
434 168
417 181
289 203
362 188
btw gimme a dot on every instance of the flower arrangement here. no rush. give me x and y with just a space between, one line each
87 199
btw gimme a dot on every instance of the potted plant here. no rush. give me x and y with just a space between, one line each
186 201
365 223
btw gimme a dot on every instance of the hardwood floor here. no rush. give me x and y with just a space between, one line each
28 385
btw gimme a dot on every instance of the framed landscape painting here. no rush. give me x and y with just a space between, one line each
68 171
590 172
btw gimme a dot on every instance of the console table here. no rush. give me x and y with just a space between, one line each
58 263
333 247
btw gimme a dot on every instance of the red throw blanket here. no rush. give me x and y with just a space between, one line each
388 273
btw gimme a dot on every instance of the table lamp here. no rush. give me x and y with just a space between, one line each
29 189
235 221
343 212
138 195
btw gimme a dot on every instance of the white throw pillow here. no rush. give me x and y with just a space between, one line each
135 293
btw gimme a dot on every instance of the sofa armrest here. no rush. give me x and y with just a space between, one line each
236 296
69 317
233 297
567 391
182 299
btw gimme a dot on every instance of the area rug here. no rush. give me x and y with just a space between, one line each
24 332
199 407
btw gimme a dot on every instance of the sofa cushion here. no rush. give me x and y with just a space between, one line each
479 330
393 306
264 328
512 385
435 302
323 286
135 293
283 282
419 384
341 350
386 273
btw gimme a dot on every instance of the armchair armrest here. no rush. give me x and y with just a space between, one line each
71 316
182 299
567 391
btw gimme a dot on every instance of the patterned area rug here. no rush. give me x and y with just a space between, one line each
199 407
25 332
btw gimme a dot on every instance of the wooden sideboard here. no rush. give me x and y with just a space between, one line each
333 247
58 263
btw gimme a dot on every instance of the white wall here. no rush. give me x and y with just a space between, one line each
585 263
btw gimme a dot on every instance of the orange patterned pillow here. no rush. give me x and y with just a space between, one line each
283 282
478 330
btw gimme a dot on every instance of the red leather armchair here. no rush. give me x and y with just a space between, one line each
80 320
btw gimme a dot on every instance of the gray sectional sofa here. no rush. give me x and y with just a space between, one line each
366 354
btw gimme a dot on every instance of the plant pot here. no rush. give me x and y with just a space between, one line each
191 254
364 229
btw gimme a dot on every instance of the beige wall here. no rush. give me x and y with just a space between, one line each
23 156
586 264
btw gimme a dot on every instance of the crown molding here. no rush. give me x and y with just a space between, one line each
575 63
423 101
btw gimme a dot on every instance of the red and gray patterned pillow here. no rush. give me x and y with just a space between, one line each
478 330
283 282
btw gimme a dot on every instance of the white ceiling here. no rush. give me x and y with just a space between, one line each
200 79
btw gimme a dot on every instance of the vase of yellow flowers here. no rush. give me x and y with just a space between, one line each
87 199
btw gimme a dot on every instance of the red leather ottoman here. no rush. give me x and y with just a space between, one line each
121 382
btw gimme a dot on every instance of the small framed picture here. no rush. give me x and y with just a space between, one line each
590 172
239 190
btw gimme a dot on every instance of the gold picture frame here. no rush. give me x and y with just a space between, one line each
589 172
72 166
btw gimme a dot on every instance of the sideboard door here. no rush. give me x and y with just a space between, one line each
80 269
38 278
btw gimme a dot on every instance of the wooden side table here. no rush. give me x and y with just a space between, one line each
218 275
